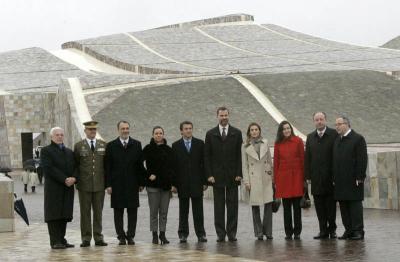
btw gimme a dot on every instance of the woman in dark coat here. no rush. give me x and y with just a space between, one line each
159 160
58 166
289 176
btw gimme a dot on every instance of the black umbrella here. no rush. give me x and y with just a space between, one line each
5 170
19 207
31 162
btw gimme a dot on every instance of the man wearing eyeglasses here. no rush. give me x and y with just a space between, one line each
349 171
89 157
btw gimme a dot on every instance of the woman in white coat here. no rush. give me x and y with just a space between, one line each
258 179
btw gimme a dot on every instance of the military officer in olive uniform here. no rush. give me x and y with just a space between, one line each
89 156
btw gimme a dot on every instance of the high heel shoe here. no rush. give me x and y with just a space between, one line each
155 238
163 239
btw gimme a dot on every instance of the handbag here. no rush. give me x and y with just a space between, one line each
276 203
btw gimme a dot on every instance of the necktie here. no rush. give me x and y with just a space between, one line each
92 145
223 135
320 134
61 146
125 144
187 144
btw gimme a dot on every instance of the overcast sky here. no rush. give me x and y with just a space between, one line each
49 23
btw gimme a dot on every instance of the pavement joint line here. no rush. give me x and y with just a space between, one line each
267 104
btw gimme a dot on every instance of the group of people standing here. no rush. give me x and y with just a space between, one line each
333 161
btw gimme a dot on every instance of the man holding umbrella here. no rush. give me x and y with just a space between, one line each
58 165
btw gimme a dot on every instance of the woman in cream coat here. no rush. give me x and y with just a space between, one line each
258 179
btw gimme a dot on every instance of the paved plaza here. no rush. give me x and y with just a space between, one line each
382 242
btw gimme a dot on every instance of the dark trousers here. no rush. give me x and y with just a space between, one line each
226 196
119 222
89 201
325 206
352 216
57 229
288 204
198 216
263 227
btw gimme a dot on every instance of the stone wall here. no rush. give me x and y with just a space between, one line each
6 204
24 113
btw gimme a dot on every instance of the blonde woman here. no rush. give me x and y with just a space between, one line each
258 179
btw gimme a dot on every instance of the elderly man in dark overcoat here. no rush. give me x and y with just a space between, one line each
350 161
58 166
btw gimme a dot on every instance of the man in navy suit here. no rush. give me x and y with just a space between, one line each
190 181
223 165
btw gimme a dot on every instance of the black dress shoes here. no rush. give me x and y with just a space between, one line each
68 245
202 239
345 236
270 237
357 236
85 243
288 237
101 243
58 246
296 237
221 239
182 240
232 239
130 241
122 241
332 235
321 236
261 238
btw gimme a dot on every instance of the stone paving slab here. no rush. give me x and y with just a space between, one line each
382 242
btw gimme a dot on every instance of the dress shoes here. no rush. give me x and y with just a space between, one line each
182 240
357 236
321 236
202 239
270 237
68 245
130 241
345 236
332 235
122 241
261 238
288 237
85 243
232 239
296 237
221 239
101 243
58 246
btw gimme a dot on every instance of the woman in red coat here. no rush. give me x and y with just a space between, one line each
289 176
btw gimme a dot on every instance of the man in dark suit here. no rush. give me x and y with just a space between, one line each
124 180
191 181
318 170
59 167
350 161
223 165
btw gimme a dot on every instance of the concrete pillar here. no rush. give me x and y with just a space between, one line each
6 204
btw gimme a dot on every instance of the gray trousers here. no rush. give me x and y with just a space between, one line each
158 203
264 227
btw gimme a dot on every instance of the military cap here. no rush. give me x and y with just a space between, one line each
90 124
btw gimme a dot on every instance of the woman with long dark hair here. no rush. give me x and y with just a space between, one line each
289 176
158 158
257 178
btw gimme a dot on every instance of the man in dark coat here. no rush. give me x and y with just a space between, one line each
124 180
190 181
223 165
350 161
58 166
318 170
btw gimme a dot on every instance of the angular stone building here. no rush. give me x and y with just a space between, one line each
262 72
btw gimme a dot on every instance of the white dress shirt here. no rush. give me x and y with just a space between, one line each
89 141
221 129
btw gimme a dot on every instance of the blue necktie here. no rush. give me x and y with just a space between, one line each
187 144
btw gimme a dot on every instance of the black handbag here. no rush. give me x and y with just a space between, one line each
276 203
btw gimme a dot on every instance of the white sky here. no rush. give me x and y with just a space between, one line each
49 23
